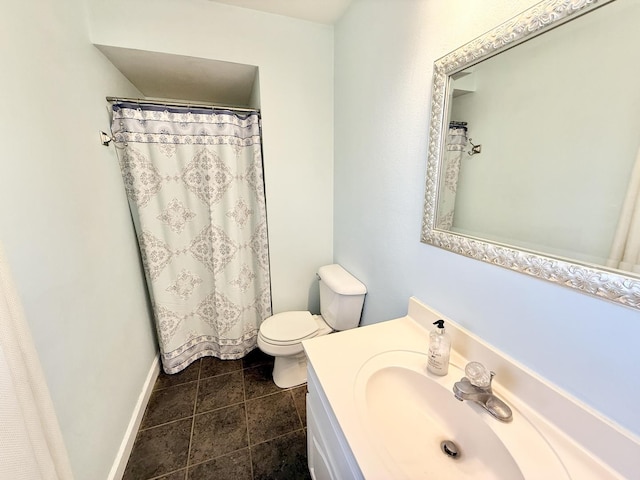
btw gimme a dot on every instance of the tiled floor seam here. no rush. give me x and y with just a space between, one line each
158 389
221 374
276 437
193 422
165 423
192 465
267 395
219 408
246 419
295 404
160 477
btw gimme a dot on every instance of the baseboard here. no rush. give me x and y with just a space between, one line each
120 462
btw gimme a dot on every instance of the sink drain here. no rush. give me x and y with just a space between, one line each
449 448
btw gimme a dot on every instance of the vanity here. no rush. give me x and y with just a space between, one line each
373 412
539 190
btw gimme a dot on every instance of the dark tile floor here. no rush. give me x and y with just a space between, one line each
222 419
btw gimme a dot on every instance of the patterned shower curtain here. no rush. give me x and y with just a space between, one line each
195 186
456 143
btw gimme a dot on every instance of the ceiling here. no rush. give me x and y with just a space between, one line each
320 11
178 77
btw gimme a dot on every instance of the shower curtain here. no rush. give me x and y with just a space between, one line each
195 186
625 249
456 143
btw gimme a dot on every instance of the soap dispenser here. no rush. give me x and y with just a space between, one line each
439 350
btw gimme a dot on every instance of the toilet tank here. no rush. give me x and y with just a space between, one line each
341 297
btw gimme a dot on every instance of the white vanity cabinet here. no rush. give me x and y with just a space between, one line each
329 455
340 366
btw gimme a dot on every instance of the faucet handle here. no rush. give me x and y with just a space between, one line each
478 375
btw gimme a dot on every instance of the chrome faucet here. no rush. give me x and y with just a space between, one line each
477 388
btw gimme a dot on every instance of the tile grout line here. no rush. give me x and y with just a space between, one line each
164 424
156 389
256 380
208 460
164 475
246 419
279 436
216 409
193 421
295 405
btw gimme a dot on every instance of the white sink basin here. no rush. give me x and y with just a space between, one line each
408 413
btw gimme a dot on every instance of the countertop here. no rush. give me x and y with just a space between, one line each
337 358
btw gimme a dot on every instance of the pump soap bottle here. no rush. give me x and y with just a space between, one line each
439 350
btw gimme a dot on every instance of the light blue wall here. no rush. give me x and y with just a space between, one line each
66 228
295 61
384 53
489 200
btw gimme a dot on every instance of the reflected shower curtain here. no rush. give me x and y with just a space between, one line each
195 186
625 249
456 143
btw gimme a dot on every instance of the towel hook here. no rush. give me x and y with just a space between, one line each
474 149
105 138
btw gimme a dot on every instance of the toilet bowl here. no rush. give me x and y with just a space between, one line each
281 335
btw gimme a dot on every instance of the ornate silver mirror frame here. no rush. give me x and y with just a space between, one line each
600 282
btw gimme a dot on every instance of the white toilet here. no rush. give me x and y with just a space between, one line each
281 335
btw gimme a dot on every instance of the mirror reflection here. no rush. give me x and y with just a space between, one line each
541 150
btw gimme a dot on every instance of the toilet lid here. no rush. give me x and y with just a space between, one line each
289 326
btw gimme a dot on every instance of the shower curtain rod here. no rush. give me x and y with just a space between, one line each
179 103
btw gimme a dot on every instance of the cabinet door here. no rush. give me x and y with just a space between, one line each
319 466
329 455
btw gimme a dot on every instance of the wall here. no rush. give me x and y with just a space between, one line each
64 219
295 61
65 226
530 112
384 53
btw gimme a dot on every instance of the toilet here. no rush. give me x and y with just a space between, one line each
281 335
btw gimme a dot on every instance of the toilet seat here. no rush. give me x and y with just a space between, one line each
288 328
281 336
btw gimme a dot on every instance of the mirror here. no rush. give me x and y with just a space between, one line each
534 160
